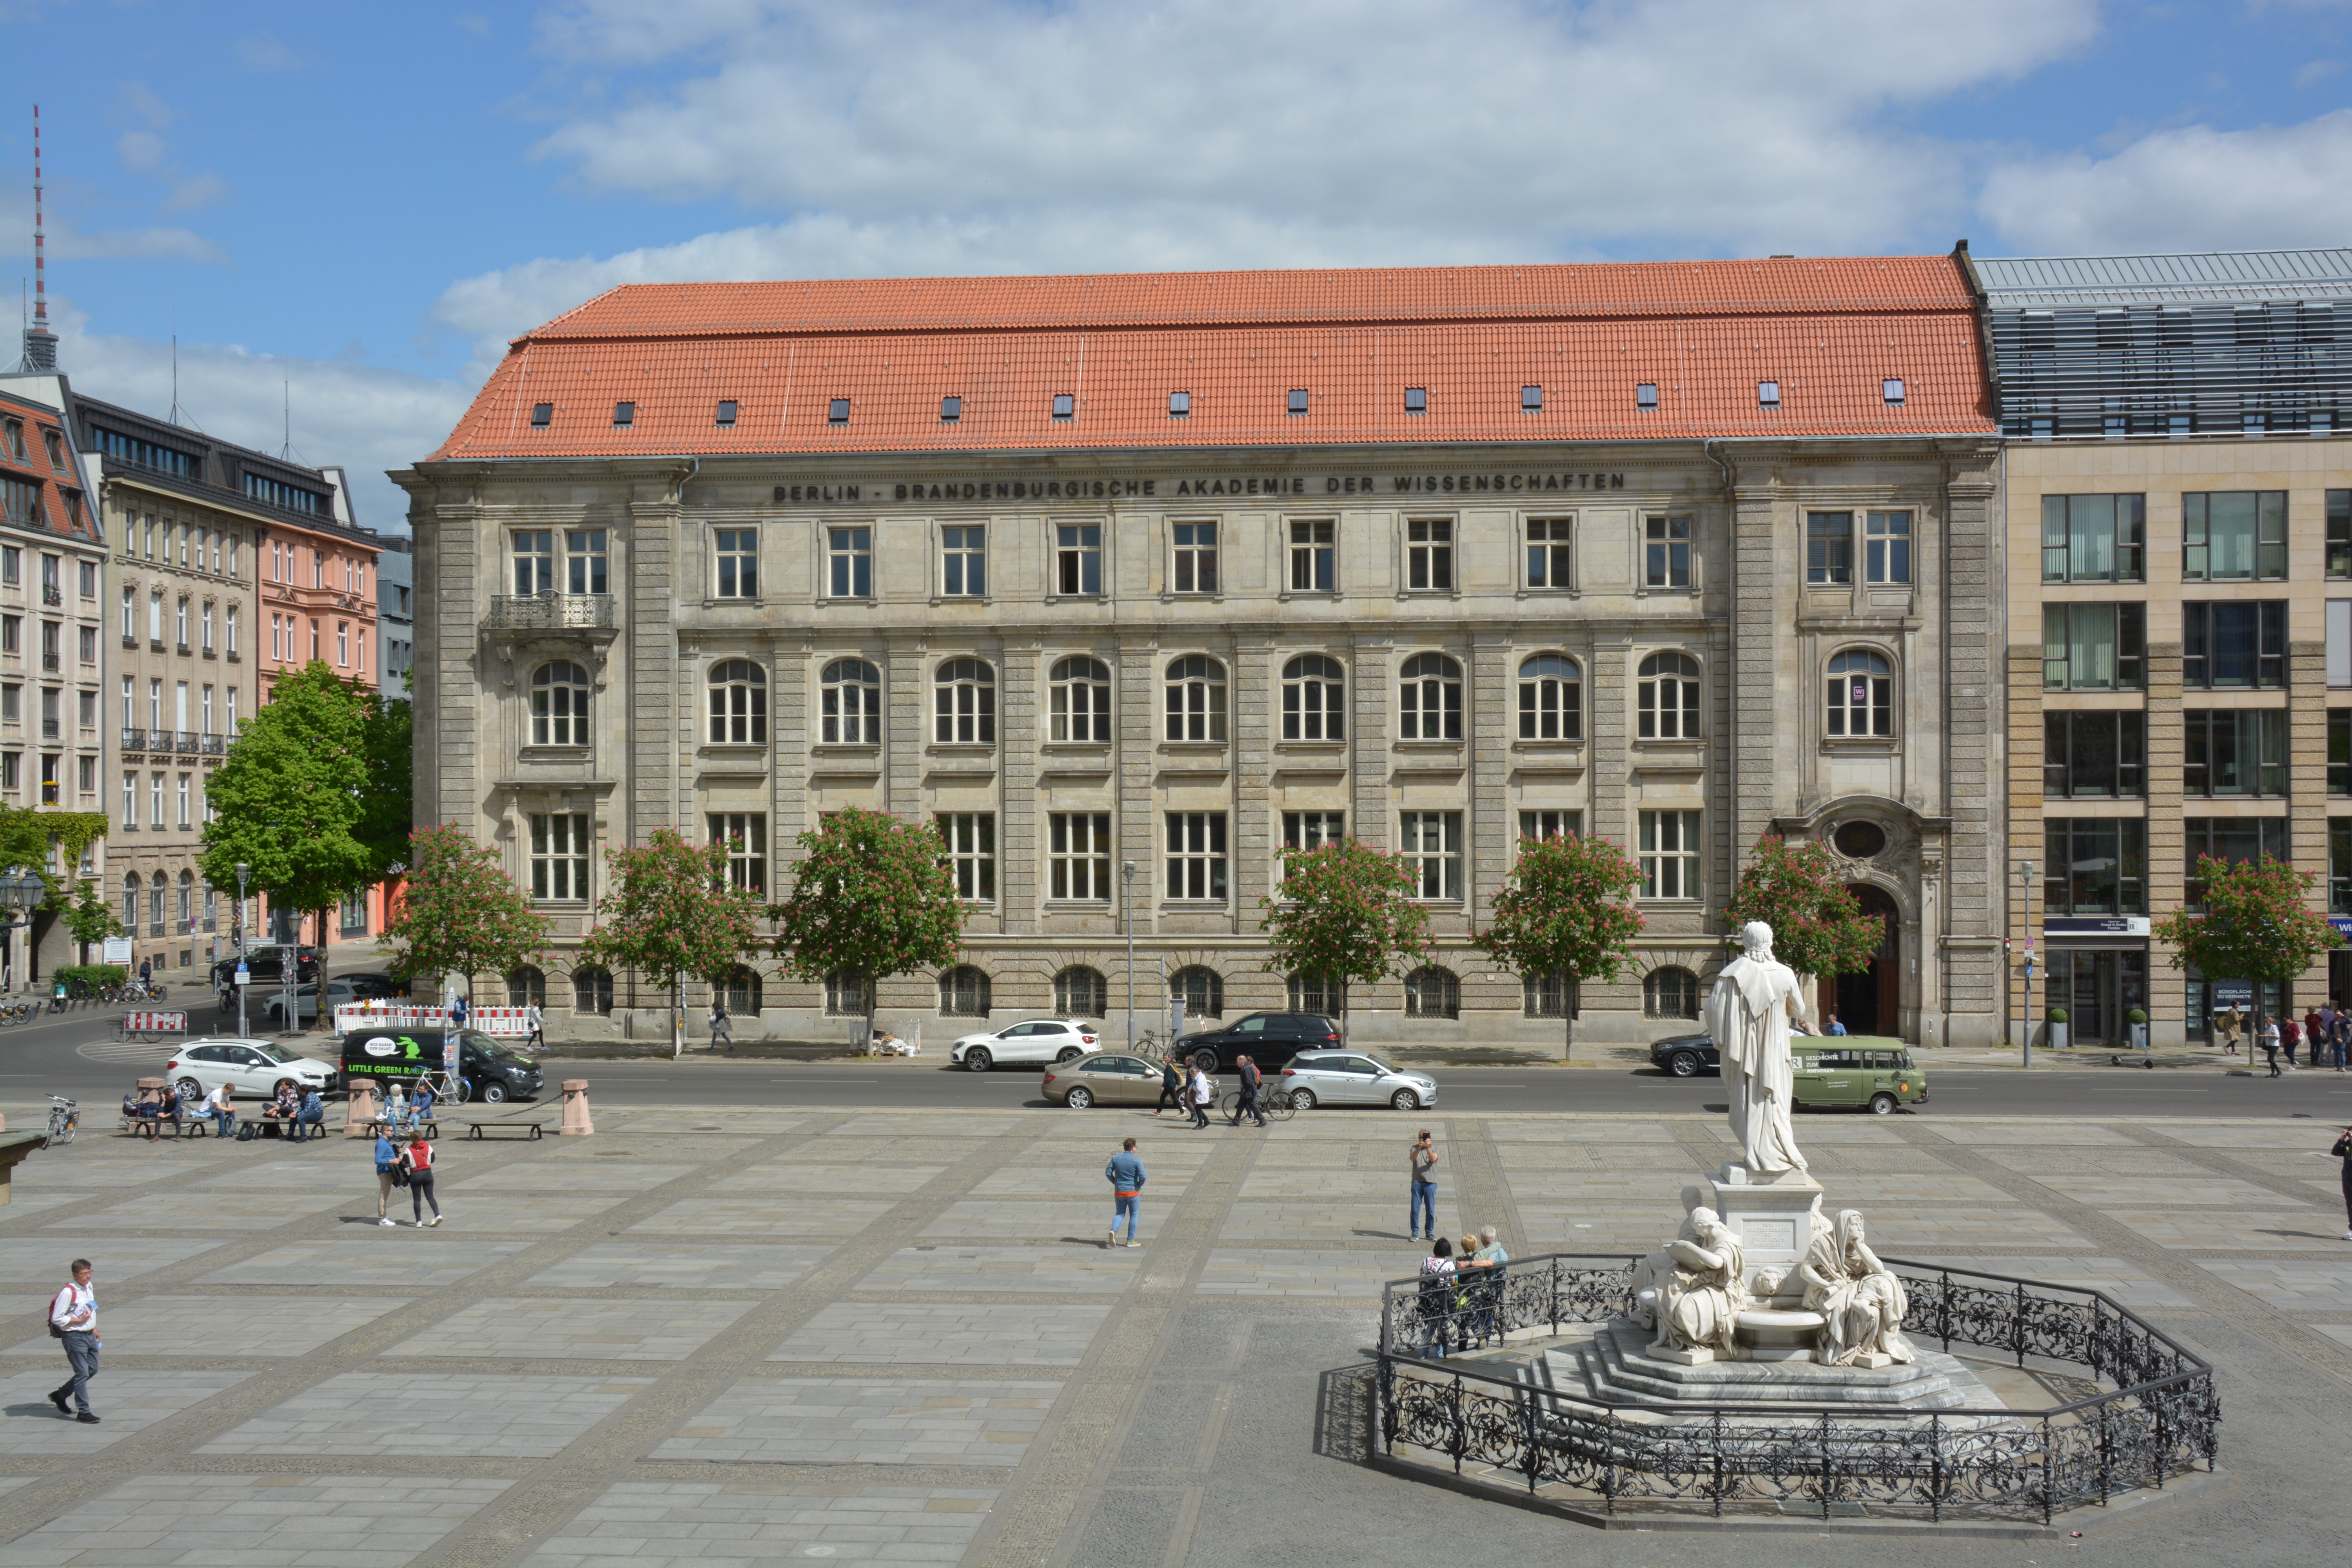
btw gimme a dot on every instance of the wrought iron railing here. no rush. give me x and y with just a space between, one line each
2160 1419
549 612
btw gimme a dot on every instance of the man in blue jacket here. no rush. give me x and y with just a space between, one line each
1125 1174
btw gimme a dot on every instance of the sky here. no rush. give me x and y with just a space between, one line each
349 209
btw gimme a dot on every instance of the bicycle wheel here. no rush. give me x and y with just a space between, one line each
1231 1104
1277 1105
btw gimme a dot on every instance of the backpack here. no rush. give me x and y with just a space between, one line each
54 1332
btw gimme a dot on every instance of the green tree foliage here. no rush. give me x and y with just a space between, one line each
2257 925
51 844
90 916
387 811
1345 913
459 912
1566 907
872 895
1818 926
668 911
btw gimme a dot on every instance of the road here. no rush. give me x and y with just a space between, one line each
76 1055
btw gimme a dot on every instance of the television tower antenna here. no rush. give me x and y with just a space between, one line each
40 344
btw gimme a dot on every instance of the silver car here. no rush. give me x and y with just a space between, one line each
252 1068
1352 1078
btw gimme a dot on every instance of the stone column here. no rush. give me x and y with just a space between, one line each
2306 736
1252 700
2027 809
1020 850
1493 718
2167 988
1137 712
646 575
1762 639
1609 737
1968 629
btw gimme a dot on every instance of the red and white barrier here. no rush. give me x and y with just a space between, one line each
152 1023
508 1021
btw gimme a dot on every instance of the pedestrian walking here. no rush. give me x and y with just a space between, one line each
2290 1035
530 1015
2343 1150
2340 1036
1246 1070
1171 1087
417 1161
1125 1174
1202 1094
73 1318
2270 1044
388 1175
1436 1302
220 1106
459 1011
1421 1164
721 1027
2229 1022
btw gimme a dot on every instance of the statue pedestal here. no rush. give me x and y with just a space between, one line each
1773 1215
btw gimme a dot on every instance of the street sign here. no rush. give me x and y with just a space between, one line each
118 950
244 975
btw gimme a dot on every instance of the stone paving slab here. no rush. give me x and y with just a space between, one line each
1304 1271
946 1267
666 1329
2118 1278
30 1205
764 1217
373 1255
715 1526
2170 1192
2291 1285
1072 1220
866 1421
42 1260
532 1175
793 1178
2266 1231
684 1266
362 1522
126 1403
220 1325
990 1334
432 1414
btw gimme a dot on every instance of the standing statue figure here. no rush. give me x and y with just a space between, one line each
1862 1305
1754 1001
1701 1301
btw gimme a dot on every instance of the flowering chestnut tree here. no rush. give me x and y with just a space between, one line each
2256 925
669 911
1818 926
458 912
1345 912
1566 909
873 897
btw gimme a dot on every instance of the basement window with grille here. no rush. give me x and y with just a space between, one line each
1298 400
1646 396
1532 400
1768 395
727 415
950 410
1416 400
625 415
1180 405
543 415
1065 407
839 412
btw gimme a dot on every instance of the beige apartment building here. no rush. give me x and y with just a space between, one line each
2177 490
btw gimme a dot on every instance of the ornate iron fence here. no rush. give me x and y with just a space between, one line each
2160 1419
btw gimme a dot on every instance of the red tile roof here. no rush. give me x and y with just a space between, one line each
63 508
1830 332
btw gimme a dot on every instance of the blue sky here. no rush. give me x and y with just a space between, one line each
363 201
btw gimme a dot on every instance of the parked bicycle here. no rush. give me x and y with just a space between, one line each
1274 1104
65 1117
19 1012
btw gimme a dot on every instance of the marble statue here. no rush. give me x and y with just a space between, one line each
1700 1301
1655 1273
1862 1305
1755 1000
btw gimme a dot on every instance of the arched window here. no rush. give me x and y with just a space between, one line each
738 703
1552 698
1429 705
526 987
591 990
131 903
850 703
741 991
965 993
1551 995
1433 993
155 905
1081 993
1081 699
1670 993
187 912
1196 698
1314 700
559 705
844 993
1203 992
1314 993
966 693
1666 698
1862 694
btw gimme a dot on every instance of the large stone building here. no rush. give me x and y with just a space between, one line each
2178 506
1160 571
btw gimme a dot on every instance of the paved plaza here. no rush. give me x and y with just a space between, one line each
894 1336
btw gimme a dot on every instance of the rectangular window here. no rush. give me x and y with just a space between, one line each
209 710
130 808
2339 868
2233 535
231 623
186 820
1065 405
971 839
85 778
12 771
725 419
559 856
585 560
2095 539
2233 643
232 712
1313 829
534 561
2339 750
155 801
2096 866
2226 752
1886 546
1829 548
849 562
1078 558
964 571
86 709
2234 839
1541 824
1666 553
745 834
739 562
12 704
1416 400
342 642
1551 559
12 634
1196 558
276 638
86 578
837 411
1314 557
130 614
1077 858
1429 555
1669 855
2339 533
1431 844
2092 754
207 623
1196 854
2094 648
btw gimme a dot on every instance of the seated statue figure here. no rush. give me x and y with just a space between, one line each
1861 1304
1701 1301
1653 1273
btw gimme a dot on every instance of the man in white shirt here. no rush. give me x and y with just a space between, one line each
73 1318
219 1105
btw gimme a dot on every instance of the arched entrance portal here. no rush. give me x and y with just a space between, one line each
1870 1003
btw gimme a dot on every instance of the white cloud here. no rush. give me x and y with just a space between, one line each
69 241
263 52
196 192
141 151
2318 71
2194 188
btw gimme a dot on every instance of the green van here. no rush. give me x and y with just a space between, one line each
1837 1073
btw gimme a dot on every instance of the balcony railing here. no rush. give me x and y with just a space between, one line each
49 662
48 729
158 740
215 746
52 594
549 612
190 742
134 738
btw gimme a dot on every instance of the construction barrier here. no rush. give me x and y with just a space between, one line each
512 1022
152 1023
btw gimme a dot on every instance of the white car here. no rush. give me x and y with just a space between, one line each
1032 1040
1352 1078
253 1068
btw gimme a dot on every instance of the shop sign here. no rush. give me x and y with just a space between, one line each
2095 925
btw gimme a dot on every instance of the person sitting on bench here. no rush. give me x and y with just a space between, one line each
307 1121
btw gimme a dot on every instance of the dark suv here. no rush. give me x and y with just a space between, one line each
1687 1055
1269 1039
267 964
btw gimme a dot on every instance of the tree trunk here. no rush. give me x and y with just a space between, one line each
1343 1010
865 1043
676 1018
1568 1025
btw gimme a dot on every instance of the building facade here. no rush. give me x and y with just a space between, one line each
1126 583
395 611
2177 497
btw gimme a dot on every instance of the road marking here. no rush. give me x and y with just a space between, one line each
129 1050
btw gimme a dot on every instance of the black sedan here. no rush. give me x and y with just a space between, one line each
1687 1055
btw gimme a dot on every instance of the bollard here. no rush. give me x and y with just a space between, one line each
575 1109
360 1109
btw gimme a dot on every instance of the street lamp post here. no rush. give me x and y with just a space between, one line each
18 892
2025 905
242 975
1126 908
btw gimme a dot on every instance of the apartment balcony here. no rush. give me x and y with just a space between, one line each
134 738
589 616
158 740
215 746
191 743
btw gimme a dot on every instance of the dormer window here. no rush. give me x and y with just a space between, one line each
1180 405
1416 400
950 410
541 415
1532 400
1646 396
625 415
1891 389
1768 395
1065 407
1298 400
838 412
56 447
726 419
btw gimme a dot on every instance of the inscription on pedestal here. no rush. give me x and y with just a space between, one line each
1768 1235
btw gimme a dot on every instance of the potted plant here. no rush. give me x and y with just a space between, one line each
2137 1018
2057 1035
